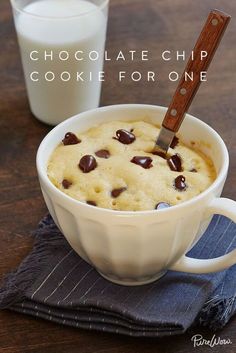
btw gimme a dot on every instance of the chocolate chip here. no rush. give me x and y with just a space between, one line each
175 163
174 142
103 154
180 183
66 183
87 163
116 192
70 139
160 154
193 170
161 205
91 203
124 136
145 162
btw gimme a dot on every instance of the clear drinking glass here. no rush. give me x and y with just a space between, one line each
62 49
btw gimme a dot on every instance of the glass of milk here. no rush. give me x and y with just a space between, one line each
62 49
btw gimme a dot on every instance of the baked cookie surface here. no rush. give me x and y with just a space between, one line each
112 166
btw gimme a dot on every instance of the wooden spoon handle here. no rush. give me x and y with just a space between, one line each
208 41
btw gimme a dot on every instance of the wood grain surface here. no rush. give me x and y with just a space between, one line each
154 25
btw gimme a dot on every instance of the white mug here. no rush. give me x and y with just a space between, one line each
134 248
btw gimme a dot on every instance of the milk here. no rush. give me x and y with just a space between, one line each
53 26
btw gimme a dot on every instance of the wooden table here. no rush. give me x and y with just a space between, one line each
155 25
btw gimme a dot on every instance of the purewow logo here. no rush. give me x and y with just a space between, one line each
198 341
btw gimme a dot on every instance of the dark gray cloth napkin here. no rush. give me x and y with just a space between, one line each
54 283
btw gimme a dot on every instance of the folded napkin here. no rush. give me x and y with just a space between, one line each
54 283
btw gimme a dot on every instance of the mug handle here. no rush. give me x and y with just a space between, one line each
221 206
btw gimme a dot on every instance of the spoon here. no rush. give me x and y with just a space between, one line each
208 41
